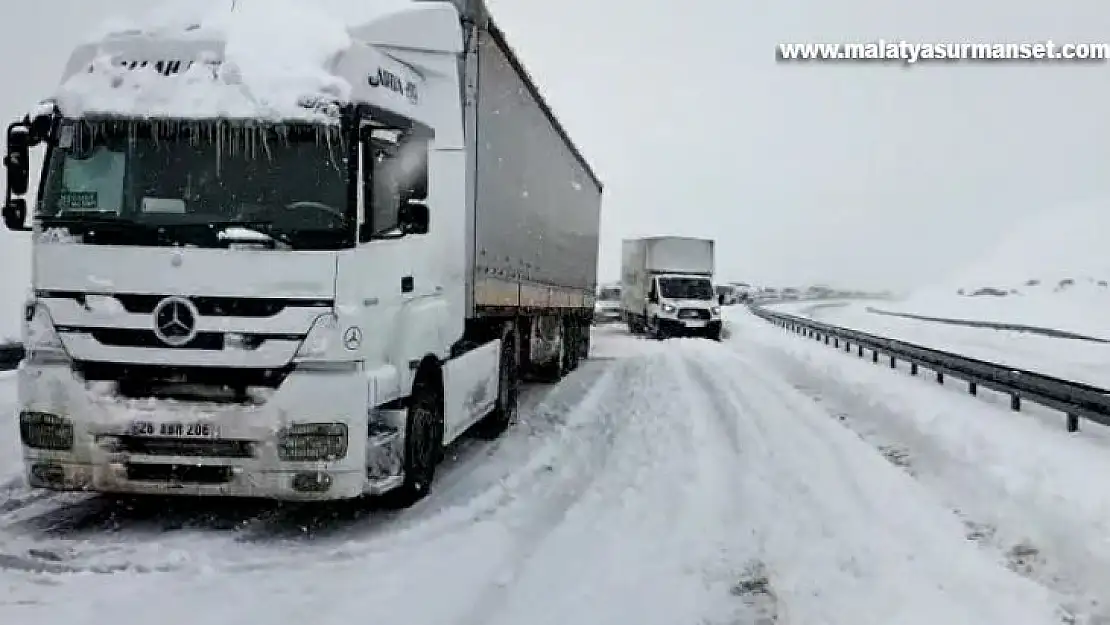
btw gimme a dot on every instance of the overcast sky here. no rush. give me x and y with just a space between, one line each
870 175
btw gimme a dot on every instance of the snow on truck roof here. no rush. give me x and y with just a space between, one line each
262 59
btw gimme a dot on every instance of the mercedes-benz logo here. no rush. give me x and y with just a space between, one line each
352 338
175 321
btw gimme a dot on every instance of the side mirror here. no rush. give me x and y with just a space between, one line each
414 218
15 214
17 161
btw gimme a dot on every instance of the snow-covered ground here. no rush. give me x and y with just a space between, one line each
1047 271
1019 481
1073 359
664 482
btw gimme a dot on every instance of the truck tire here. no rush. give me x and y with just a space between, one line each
508 388
584 343
423 439
554 370
572 343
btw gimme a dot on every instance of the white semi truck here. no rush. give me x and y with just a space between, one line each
667 287
304 303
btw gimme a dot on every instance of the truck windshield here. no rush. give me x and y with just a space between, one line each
686 288
609 295
190 183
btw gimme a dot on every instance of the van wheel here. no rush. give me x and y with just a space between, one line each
423 440
508 388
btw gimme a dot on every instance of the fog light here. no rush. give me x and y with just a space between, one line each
42 430
314 482
312 442
47 474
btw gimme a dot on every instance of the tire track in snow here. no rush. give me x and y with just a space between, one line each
650 540
847 537
1002 492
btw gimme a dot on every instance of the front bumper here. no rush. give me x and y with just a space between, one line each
607 316
237 457
689 328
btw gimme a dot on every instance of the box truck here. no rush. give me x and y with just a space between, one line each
667 287
294 288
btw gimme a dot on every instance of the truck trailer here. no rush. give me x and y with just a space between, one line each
304 293
667 287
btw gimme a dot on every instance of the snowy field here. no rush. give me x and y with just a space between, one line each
766 479
1046 271
1072 359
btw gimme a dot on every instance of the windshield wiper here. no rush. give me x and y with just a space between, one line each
97 227
250 231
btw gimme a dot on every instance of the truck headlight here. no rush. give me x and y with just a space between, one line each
322 348
667 308
42 430
321 340
40 339
716 310
312 442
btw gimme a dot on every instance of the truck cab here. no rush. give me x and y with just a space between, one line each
268 286
683 305
607 308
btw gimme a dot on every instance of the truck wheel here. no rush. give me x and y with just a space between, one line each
572 344
553 370
584 343
508 388
423 440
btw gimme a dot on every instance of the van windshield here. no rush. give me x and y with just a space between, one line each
609 295
686 288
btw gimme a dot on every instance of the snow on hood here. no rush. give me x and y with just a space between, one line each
276 55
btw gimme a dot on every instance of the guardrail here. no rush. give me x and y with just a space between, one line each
11 355
992 325
1072 398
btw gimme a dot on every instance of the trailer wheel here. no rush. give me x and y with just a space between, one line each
572 344
423 438
508 388
554 369
584 341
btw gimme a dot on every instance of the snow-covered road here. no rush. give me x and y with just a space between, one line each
673 482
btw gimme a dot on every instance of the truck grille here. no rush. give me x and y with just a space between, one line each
256 307
119 337
178 473
143 374
148 446
693 313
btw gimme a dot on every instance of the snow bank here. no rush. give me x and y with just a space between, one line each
276 59
1020 480
1082 361
1048 271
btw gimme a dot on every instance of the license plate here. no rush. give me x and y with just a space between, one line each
174 429
695 324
